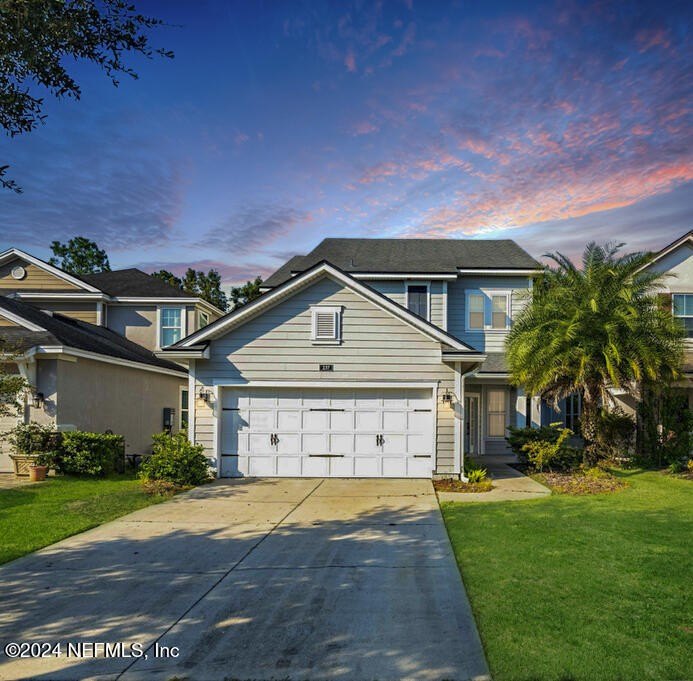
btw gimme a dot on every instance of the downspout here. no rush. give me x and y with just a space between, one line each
463 376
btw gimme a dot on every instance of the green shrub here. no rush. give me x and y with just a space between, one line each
519 437
31 439
85 453
473 472
550 454
176 460
615 433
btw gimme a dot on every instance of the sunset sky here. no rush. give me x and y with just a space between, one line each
280 123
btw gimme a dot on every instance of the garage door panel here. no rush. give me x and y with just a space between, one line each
394 420
316 467
327 432
341 443
369 420
342 421
288 420
288 443
315 420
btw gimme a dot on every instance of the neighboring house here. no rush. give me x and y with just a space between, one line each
675 262
366 357
86 345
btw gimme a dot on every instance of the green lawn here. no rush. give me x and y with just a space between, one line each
37 515
582 588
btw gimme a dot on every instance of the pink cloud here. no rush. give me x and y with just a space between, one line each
364 128
350 61
652 37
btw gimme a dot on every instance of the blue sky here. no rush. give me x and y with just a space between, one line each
280 123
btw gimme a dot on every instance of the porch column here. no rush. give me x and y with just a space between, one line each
459 421
536 411
521 408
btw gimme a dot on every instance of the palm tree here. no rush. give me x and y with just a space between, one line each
593 329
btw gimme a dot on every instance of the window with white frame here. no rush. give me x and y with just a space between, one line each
682 305
496 408
326 323
184 409
488 310
202 319
475 316
417 299
170 325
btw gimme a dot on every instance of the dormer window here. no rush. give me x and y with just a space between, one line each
417 299
683 310
326 325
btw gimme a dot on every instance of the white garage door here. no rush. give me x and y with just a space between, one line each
327 432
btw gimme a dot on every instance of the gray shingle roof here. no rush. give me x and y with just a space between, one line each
133 282
411 256
495 363
61 330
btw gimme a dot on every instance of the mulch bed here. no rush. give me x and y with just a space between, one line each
580 483
459 486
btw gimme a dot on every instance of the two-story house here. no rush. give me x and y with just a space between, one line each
87 345
367 358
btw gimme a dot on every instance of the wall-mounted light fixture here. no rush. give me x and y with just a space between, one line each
205 395
447 397
37 400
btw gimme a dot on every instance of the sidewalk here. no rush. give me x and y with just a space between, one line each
508 483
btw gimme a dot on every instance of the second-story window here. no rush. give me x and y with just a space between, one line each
202 319
683 310
499 311
476 302
417 299
171 326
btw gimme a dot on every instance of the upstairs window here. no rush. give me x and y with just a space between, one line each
683 310
170 326
326 324
202 319
488 310
417 299
475 303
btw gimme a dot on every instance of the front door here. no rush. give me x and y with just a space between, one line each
471 425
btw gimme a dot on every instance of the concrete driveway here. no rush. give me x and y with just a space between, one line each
252 579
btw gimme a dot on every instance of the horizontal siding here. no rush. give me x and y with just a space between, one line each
375 347
395 290
85 312
36 279
485 341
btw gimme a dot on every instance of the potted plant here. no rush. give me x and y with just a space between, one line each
29 441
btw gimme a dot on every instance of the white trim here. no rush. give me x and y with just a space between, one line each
16 253
85 354
192 353
17 319
166 300
41 295
325 269
427 284
445 306
404 275
458 446
182 388
668 249
493 272
482 375
221 383
192 401
99 314
216 429
478 357
487 294
336 312
183 323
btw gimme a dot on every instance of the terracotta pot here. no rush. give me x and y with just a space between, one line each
37 473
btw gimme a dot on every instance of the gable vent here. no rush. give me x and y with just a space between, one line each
326 323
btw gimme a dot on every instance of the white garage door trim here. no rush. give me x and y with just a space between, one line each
218 406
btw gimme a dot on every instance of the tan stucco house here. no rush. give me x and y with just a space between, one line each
365 357
87 347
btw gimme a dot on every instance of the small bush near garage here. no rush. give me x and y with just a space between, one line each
176 460
83 453
32 439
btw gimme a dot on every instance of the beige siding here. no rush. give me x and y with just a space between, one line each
36 279
6 322
376 346
99 396
395 290
484 341
85 312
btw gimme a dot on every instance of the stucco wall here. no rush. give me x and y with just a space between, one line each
377 346
136 323
97 396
